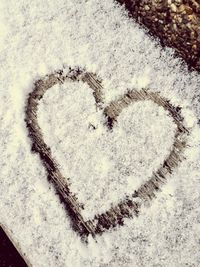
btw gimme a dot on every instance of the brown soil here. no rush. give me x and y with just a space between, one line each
175 22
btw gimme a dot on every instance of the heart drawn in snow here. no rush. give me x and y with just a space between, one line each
130 205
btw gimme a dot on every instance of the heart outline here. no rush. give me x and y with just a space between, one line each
129 206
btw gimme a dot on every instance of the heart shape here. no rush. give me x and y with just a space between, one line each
131 205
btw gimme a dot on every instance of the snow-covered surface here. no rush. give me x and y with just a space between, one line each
102 164
39 37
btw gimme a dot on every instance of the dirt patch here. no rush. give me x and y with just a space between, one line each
175 22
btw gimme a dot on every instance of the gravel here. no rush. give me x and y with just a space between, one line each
175 22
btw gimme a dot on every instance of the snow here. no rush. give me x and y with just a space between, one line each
39 37
116 162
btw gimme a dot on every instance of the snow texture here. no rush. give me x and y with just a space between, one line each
116 162
39 37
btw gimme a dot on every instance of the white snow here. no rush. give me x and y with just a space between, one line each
39 37
103 166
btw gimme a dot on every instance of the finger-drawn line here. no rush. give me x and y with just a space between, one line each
147 191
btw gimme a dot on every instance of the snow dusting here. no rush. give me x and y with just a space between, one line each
116 162
40 37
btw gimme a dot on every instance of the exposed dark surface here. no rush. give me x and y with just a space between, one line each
175 22
9 256
130 206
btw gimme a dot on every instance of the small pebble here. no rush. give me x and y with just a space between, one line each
173 7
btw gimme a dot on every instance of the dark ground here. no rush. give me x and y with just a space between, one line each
176 23
9 256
